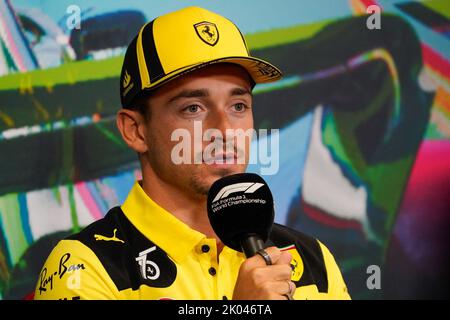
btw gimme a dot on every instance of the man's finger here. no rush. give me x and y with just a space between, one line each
274 255
280 272
283 287
284 258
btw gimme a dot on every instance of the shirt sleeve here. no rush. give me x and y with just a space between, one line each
337 289
73 272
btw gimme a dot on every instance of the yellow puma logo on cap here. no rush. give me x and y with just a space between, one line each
99 237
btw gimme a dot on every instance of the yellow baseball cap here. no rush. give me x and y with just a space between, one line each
182 41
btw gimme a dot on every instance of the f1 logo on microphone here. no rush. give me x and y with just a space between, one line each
247 187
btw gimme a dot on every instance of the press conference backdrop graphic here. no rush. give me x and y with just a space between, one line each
364 119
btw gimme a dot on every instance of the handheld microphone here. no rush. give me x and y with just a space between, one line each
241 211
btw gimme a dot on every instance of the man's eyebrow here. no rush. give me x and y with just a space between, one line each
200 93
240 91
197 93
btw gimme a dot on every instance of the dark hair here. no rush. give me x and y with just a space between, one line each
141 103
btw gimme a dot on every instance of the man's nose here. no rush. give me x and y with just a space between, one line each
219 120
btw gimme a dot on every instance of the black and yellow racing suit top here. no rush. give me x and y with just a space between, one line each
141 251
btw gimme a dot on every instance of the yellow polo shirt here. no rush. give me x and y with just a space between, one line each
141 251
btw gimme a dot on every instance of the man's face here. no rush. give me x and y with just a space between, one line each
216 97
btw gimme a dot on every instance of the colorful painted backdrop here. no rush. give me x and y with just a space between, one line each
364 119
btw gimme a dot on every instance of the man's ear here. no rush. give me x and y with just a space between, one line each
131 125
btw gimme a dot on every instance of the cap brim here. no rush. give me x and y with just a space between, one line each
261 71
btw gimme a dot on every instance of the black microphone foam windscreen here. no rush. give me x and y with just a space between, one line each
240 205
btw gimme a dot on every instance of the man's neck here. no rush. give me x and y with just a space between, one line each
186 208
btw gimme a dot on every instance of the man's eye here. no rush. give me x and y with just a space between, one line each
239 107
192 109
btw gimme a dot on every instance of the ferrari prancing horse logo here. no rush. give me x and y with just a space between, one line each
208 32
296 262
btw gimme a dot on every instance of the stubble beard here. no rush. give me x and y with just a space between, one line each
201 187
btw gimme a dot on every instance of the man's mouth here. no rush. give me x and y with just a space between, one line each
221 158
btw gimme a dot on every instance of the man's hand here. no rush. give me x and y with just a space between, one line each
258 281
